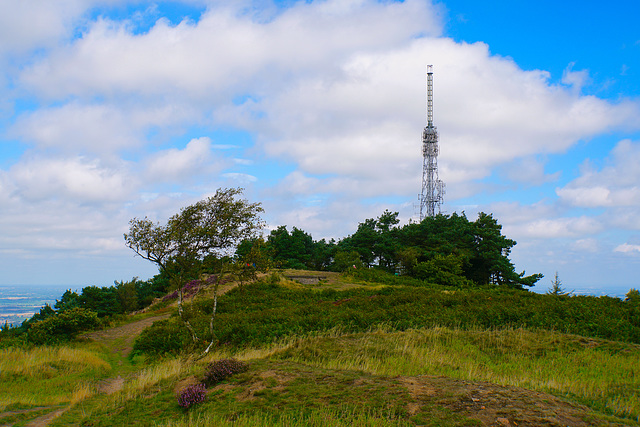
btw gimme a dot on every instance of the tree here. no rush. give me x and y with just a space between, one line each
126 294
101 300
212 227
556 287
375 241
68 301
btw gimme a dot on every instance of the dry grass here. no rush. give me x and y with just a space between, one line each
43 361
604 374
47 376
148 378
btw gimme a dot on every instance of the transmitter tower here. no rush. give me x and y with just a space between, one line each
432 194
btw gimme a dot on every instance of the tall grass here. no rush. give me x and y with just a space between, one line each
43 361
605 375
46 376
150 377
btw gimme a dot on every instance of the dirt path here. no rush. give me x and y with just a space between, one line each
127 333
120 339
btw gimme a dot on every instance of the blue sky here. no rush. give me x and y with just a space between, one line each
114 109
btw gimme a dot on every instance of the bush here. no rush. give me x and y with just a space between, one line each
191 395
164 337
221 369
63 327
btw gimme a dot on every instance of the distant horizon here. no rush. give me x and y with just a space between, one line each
131 109
618 291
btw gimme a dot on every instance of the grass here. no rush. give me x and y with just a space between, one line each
381 377
324 418
603 374
45 376
361 379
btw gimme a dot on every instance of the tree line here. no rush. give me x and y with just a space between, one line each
220 238
445 249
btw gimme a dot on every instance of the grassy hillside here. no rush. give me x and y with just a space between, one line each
364 351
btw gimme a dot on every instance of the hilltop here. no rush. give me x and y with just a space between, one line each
332 351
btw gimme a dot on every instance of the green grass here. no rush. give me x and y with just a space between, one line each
323 418
360 356
359 379
45 376
602 374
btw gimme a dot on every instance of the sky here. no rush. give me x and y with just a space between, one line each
116 109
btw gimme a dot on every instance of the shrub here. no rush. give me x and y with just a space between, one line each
191 395
221 369
63 327
163 337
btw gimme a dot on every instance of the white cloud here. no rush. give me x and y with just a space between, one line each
47 23
332 91
627 248
177 165
102 128
560 227
586 245
617 184
367 121
576 79
529 171
226 50
240 178
81 179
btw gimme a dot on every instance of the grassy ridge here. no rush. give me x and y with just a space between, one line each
602 374
358 378
399 354
263 312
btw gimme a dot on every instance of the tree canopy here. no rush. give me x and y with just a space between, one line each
444 248
212 227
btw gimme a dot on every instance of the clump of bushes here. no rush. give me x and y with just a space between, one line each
62 327
191 395
221 369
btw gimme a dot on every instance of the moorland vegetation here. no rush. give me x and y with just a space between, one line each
423 324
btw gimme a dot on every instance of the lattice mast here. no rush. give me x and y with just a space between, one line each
432 193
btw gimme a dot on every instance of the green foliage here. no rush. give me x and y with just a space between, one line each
101 300
443 270
263 312
345 261
148 290
68 301
62 327
298 250
210 227
443 249
45 313
446 249
165 337
556 287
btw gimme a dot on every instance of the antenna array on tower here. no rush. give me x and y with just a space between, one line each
432 194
